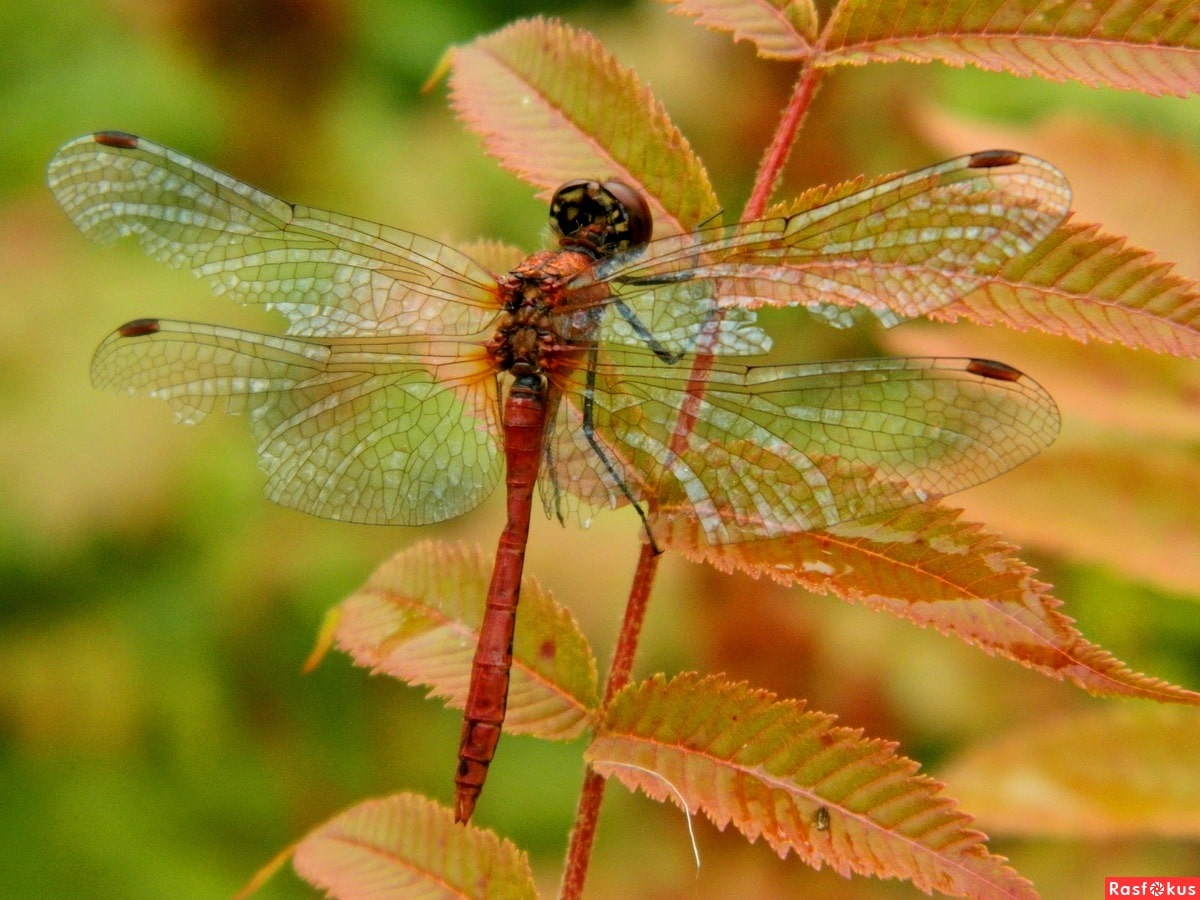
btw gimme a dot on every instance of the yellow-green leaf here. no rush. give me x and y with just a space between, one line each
925 565
408 846
1085 285
1150 47
417 618
798 781
1125 502
552 104
1124 771
779 29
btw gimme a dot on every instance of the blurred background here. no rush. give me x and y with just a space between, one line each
156 735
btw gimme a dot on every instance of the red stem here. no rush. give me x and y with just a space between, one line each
583 835
631 626
591 795
777 153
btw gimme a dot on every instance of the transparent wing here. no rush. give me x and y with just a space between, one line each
329 274
902 247
371 431
781 449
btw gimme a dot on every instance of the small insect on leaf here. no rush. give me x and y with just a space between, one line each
821 819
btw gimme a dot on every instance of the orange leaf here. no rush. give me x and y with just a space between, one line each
794 778
924 565
1121 772
1086 285
552 104
1149 47
407 846
417 619
779 29
1124 503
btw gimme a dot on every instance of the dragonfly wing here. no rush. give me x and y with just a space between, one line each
675 318
773 450
902 247
364 431
329 274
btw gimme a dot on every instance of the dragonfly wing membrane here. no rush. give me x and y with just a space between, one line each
329 274
902 247
347 429
583 470
774 450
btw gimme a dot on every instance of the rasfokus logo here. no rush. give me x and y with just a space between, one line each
1151 887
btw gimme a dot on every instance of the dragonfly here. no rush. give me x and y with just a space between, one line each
410 378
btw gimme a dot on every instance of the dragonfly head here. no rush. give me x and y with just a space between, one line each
602 218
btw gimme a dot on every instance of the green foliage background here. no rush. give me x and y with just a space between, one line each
156 736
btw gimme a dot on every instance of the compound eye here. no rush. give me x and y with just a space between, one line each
605 218
635 224
569 207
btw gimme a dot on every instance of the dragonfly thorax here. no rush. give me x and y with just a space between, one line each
528 337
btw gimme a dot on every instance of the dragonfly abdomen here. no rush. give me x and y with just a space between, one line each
487 698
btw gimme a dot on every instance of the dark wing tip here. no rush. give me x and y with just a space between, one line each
120 139
139 328
993 159
998 371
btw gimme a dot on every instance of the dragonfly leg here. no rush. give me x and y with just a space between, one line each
589 432
649 339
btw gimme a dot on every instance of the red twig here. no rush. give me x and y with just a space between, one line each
584 833
592 794
777 153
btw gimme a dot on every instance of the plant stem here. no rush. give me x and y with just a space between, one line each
591 795
777 153
631 626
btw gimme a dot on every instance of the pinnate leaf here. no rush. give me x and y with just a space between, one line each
552 104
779 29
1150 47
925 565
1085 285
417 618
797 780
408 846
1137 775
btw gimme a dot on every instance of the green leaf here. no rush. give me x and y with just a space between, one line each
924 565
1149 47
552 104
407 846
779 29
1121 772
798 781
417 618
